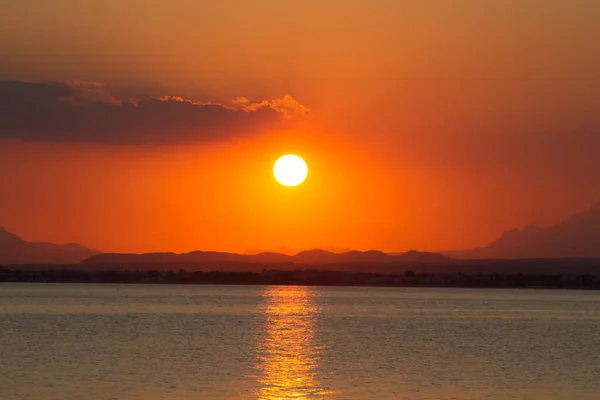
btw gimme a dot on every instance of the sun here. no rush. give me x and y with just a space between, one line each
290 170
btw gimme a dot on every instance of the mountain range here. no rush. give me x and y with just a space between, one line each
291 252
578 236
14 250
315 257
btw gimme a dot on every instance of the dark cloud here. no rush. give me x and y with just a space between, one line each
80 111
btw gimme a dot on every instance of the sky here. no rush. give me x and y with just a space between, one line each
146 125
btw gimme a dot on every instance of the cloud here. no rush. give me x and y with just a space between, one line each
81 111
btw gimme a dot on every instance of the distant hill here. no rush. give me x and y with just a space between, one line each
316 257
578 236
291 252
14 250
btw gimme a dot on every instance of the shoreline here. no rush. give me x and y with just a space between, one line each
305 278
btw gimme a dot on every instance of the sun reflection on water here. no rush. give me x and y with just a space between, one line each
289 354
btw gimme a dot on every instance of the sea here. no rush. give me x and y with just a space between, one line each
151 342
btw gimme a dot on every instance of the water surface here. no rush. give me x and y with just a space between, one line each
85 341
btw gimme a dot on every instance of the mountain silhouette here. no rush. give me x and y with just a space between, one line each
578 236
315 256
291 252
14 250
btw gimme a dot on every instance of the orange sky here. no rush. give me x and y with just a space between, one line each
433 125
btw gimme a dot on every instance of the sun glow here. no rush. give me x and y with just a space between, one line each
290 170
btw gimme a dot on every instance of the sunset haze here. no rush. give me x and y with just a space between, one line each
142 126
